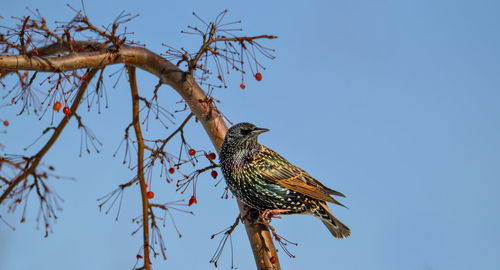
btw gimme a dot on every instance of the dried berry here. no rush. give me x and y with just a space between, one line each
211 156
57 106
192 200
66 110
258 76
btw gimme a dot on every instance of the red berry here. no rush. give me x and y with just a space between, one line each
211 156
192 152
66 110
258 76
57 106
242 86
139 256
150 195
5 123
171 170
213 174
146 185
192 200
273 259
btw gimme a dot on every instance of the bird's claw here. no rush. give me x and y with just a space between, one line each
268 214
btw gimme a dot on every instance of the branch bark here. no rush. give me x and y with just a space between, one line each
168 73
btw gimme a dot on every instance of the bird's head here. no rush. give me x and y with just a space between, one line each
243 133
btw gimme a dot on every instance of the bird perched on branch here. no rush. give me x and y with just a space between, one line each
264 180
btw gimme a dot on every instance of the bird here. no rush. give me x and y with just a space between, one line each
265 181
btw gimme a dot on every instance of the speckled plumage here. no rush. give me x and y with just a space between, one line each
264 180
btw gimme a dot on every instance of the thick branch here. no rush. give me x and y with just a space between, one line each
184 84
80 46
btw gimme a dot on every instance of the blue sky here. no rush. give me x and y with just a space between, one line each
394 103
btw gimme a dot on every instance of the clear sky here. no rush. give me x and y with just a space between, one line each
394 103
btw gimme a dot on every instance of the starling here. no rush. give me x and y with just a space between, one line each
265 181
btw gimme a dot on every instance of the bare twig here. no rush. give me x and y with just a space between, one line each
227 235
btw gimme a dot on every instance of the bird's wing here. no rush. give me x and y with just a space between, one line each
275 168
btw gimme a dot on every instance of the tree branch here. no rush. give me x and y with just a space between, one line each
140 163
38 157
52 49
183 83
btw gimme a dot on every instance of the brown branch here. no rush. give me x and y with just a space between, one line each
80 46
259 236
140 163
35 160
206 44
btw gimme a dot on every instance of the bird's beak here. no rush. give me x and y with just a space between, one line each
258 130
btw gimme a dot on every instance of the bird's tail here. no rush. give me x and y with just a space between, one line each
337 228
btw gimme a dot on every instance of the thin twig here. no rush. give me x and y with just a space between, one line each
160 149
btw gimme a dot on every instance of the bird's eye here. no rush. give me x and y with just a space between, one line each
245 131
